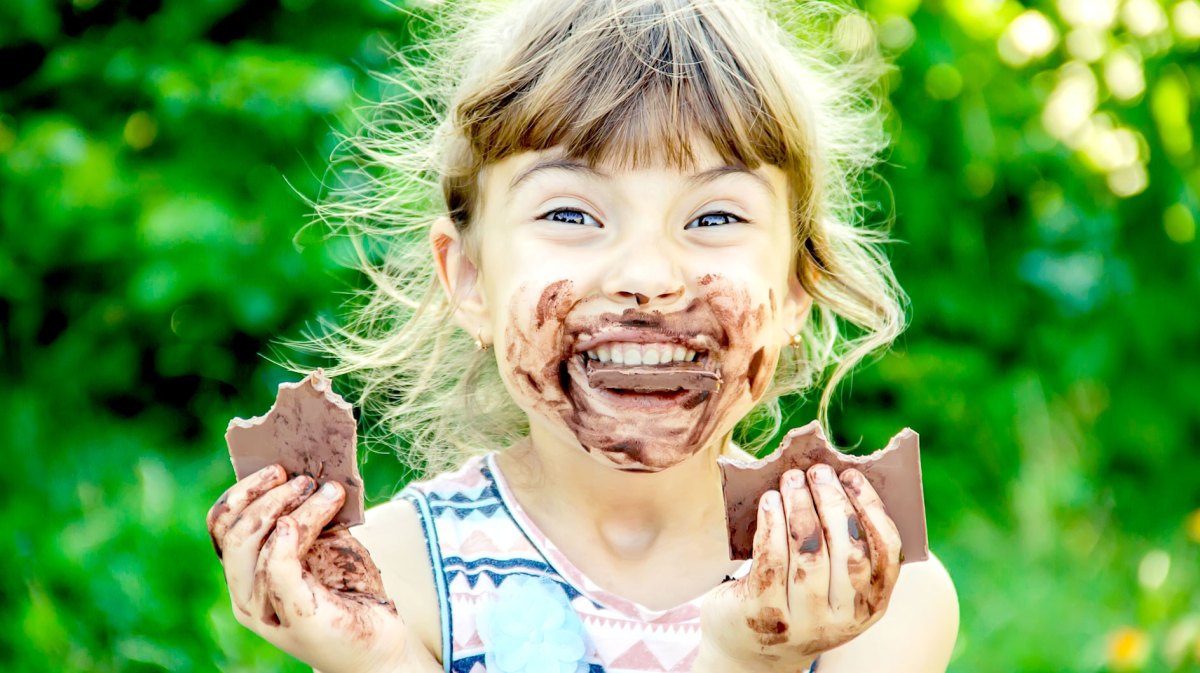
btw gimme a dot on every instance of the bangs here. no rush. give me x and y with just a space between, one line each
632 83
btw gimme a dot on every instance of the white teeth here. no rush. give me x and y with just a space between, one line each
633 355
641 354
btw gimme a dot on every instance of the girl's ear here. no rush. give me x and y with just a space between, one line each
796 306
460 279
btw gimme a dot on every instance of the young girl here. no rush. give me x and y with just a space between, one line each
645 232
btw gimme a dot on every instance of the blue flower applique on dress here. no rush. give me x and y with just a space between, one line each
530 627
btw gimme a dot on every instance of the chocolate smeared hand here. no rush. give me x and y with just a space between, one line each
894 472
343 564
309 430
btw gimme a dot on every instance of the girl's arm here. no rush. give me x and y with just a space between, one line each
915 635
395 538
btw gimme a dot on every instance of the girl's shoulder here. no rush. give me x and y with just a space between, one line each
394 533
468 478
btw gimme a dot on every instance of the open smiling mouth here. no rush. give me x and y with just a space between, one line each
649 375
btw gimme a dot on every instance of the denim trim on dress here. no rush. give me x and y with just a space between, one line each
435 561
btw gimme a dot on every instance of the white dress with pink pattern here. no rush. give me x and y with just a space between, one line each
554 618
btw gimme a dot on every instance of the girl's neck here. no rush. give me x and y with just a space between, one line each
631 515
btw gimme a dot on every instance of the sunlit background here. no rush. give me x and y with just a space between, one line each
1042 182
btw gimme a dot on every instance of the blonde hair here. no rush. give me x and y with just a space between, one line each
623 81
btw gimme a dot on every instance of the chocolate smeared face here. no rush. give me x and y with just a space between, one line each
636 312
643 390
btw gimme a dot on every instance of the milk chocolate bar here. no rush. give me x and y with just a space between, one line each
894 472
653 378
309 430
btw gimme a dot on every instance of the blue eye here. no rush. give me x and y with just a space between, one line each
571 216
714 219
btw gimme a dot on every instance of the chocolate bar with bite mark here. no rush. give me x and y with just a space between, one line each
653 378
309 430
894 472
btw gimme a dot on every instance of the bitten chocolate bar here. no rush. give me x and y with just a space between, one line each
309 430
894 471
653 378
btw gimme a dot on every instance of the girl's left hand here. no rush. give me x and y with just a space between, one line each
826 557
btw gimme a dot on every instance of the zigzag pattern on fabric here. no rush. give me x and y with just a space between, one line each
478 536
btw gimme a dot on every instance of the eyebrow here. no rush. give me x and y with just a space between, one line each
559 164
575 166
705 177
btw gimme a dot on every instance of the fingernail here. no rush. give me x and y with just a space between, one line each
329 491
823 474
303 484
771 500
795 479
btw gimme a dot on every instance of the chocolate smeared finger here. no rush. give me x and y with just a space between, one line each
853 528
309 430
894 472
880 543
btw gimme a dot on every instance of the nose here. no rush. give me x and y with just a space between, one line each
646 275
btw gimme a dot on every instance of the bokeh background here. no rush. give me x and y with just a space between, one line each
1043 182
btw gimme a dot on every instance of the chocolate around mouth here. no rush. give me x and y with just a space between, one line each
652 378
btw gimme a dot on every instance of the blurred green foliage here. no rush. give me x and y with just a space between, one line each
1043 183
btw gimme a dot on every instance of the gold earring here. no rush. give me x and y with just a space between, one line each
795 340
479 344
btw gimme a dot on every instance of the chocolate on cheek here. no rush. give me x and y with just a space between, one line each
744 369
534 355
554 303
543 368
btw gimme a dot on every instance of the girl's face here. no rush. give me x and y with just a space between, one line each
636 313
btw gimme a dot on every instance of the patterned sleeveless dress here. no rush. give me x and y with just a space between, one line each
511 602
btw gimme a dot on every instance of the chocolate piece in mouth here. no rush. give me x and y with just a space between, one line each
894 471
309 430
652 378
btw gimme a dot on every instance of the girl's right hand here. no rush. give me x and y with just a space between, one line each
317 596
